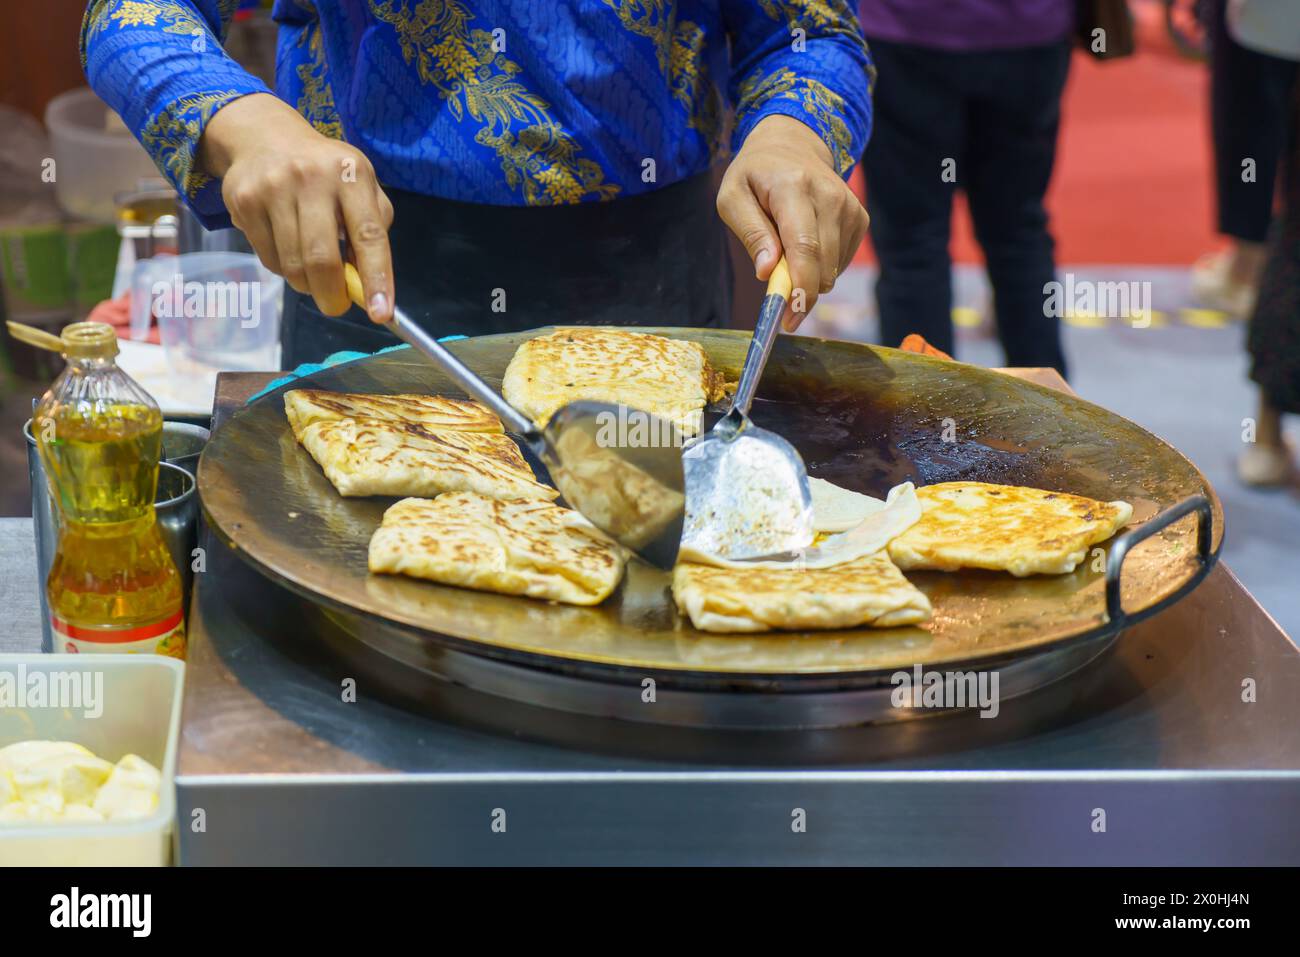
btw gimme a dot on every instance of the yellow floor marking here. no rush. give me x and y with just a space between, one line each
1204 318
1086 320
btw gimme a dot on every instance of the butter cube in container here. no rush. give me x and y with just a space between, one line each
125 711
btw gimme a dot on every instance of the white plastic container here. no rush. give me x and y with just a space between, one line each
94 158
145 273
216 311
141 714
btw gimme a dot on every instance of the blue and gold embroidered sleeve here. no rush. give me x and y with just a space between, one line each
507 102
159 64
806 59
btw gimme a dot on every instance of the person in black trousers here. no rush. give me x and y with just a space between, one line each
1250 101
985 122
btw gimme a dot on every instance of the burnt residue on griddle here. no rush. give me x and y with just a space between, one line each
869 444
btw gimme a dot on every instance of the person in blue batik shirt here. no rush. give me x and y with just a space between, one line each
498 165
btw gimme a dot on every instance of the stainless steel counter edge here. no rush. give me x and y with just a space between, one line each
749 818
738 777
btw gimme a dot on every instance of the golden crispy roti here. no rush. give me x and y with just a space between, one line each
665 377
437 412
1025 531
372 457
868 591
527 548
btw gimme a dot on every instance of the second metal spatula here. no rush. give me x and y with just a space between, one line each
747 494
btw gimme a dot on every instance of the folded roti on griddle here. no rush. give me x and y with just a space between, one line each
1025 531
527 548
868 591
437 412
669 378
374 457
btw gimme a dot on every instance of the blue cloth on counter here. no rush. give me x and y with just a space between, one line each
503 102
334 359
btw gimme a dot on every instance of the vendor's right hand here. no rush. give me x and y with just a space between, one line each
294 193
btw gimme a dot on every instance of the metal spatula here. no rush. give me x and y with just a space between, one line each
746 488
633 493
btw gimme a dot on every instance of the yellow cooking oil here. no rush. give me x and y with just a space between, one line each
113 586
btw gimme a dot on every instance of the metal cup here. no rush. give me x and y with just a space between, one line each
45 524
175 504
177 508
182 444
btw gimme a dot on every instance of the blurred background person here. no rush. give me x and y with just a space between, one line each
1250 101
1272 28
968 97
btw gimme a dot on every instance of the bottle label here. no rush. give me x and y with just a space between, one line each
166 637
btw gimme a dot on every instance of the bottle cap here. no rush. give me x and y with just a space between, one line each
81 340
89 340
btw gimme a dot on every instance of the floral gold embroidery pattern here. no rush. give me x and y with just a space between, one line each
316 103
173 17
691 84
822 105
173 134
821 13
539 158
826 18
679 48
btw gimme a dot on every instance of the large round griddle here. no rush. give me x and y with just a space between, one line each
863 417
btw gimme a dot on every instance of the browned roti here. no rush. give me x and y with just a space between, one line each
867 591
670 378
530 548
371 457
438 412
1025 531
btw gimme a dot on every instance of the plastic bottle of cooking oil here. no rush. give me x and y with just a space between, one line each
113 586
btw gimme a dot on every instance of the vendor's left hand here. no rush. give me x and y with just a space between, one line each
782 196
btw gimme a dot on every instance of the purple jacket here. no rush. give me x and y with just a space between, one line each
967 25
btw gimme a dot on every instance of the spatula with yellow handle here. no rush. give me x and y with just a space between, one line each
747 494
634 493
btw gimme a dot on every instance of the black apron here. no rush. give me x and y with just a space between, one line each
469 269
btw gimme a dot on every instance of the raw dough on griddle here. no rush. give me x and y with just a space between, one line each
530 548
837 509
899 512
1025 531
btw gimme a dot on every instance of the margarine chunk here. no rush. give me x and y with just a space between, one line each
131 791
63 781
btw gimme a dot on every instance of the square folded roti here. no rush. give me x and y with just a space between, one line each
868 591
372 457
437 412
669 378
527 548
1025 531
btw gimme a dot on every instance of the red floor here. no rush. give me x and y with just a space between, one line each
1132 182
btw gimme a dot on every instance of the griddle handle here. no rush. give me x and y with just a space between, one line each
1119 549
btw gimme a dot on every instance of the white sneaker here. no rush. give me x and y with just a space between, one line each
1214 288
1265 465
